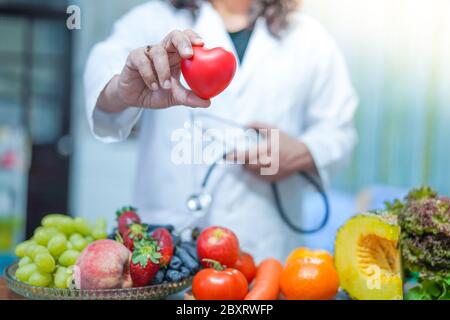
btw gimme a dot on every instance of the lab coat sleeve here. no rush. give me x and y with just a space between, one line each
107 60
329 134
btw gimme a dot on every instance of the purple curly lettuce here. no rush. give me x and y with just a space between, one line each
425 237
426 216
427 254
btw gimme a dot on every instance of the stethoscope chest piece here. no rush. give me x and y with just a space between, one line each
199 203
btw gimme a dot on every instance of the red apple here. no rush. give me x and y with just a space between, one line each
218 244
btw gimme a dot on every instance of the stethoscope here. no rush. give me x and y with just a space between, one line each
200 202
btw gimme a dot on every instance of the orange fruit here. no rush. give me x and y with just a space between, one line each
309 279
301 253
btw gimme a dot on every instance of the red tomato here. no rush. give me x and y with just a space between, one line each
212 284
218 244
209 71
246 265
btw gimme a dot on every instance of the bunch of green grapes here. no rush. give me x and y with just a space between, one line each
47 259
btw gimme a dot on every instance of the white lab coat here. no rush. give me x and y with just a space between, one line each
299 83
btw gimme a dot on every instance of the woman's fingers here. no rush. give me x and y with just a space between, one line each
195 39
195 101
141 63
182 42
182 96
160 60
176 42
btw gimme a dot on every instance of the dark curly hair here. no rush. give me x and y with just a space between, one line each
275 12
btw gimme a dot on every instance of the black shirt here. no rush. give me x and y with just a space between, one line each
240 40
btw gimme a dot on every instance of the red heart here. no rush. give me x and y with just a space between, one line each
209 71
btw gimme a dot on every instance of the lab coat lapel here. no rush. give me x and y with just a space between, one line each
261 43
210 27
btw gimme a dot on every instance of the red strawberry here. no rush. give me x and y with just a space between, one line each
144 263
134 233
126 216
165 243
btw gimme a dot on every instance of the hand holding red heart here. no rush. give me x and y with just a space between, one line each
151 76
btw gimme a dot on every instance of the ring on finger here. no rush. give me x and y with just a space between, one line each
148 49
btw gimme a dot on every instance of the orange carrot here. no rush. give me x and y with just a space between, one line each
267 281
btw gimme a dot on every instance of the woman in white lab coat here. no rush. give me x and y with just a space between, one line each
291 75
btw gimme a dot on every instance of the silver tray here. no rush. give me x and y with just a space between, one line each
153 292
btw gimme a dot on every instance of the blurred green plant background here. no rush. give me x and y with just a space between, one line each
397 51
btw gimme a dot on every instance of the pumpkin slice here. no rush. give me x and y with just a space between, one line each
367 257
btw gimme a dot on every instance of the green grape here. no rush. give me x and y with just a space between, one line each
40 279
69 281
69 258
57 245
61 269
45 262
23 273
101 223
61 280
62 222
40 236
99 230
43 235
24 261
82 226
69 245
99 234
75 237
37 230
21 248
79 244
52 220
90 239
30 248
34 250
61 276
66 225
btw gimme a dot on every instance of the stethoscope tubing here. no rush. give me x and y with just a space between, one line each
278 203
288 221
